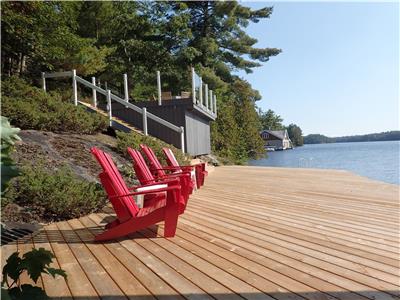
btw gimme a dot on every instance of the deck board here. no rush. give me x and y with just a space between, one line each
249 233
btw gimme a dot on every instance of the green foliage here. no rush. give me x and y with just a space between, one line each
56 195
42 36
8 137
34 263
270 121
134 139
30 108
295 135
141 37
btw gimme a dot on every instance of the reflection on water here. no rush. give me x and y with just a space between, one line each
376 160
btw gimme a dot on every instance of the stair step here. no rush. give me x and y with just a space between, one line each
119 122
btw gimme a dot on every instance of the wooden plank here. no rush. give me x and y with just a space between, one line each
298 229
273 286
317 257
77 282
184 286
104 285
25 245
200 272
282 255
56 288
117 271
150 280
286 279
6 251
367 259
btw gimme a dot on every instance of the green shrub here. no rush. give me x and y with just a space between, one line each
8 137
29 107
134 139
54 196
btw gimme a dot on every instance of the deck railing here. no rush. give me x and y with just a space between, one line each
112 97
203 97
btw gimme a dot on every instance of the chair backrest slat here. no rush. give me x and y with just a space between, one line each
155 164
170 157
142 171
125 207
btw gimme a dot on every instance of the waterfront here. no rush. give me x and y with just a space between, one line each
375 160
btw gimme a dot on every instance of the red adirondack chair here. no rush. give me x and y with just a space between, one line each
160 172
162 204
200 168
145 176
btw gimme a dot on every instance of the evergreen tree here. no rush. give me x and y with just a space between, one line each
295 134
270 120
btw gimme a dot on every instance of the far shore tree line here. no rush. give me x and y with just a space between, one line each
372 137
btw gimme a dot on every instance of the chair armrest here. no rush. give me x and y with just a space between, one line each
170 188
166 181
182 174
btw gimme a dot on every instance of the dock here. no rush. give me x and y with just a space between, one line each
249 233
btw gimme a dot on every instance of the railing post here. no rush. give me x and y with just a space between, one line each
43 82
159 87
193 85
183 139
144 115
215 105
201 92
211 98
206 95
109 106
126 87
74 87
94 92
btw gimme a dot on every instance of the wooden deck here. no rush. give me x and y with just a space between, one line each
252 233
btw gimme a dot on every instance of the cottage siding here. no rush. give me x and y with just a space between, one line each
197 134
180 113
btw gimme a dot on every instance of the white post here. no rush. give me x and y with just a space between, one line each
193 85
94 92
126 87
206 95
215 105
144 115
183 139
74 87
159 87
201 92
109 106
211 98
43 82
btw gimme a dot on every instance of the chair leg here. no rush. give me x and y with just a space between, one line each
171 221
131 226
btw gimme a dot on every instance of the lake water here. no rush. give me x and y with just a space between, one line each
376 160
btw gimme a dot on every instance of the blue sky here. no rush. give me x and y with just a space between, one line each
338 73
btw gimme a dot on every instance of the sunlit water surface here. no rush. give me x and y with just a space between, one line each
376 160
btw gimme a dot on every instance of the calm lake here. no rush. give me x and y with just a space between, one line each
376 160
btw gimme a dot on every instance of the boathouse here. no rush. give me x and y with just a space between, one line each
276 139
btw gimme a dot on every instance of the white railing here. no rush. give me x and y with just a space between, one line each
111 97
206 101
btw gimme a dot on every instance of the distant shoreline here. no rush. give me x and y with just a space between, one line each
372 137
350 142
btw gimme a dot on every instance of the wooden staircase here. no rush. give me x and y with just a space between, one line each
116 122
